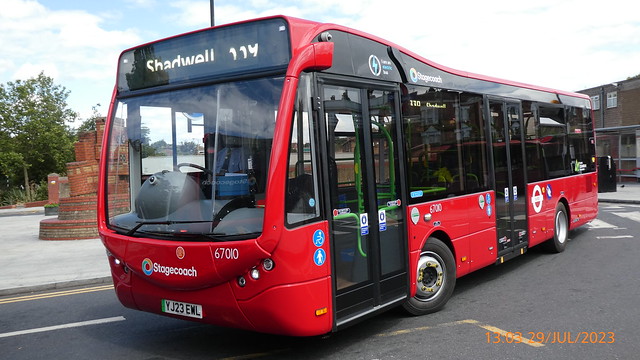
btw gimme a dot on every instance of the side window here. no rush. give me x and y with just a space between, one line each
474 144
581 140
553 141
533 145
301 196
446 143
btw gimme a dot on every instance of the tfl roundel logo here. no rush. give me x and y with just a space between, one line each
147 266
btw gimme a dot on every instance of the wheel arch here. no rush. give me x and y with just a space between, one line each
442 236
565 202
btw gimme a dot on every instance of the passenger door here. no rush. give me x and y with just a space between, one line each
507 141
367 230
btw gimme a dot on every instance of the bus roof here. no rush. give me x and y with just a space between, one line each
304 32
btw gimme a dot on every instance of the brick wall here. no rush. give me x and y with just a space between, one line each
630 100
77 212
627 112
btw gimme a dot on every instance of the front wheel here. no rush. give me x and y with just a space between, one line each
436 278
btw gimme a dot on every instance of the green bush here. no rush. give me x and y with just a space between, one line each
15 195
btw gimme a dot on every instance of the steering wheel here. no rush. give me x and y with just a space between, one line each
177 167
234 204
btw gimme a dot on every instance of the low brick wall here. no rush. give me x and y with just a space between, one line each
77 213
56 229
78 208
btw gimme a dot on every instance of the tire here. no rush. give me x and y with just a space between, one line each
560 231
436 279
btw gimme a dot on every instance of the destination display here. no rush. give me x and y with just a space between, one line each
251 47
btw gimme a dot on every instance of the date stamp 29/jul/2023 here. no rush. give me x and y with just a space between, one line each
551 337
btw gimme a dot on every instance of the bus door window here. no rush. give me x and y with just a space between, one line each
501 173
343 117
508 161
302 197
367 217
386 161
518 174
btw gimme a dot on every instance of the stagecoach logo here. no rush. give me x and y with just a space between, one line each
149 267
374 65
415 76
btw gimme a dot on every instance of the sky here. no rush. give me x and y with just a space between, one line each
563 44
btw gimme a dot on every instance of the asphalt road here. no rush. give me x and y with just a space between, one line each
580 304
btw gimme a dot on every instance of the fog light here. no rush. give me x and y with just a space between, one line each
255 274
116 261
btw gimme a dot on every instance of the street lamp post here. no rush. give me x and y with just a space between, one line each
211 11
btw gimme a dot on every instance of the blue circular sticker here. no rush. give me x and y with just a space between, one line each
488 198
312 202
489 210
319 257
318 238
549 193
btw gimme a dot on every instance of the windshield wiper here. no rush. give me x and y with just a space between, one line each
164 222
231 237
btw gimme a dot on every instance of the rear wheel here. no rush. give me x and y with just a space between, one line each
436 278
560 232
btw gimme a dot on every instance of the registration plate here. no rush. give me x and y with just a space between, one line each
181 308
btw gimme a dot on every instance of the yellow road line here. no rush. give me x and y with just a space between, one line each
493 329
423 328
55 294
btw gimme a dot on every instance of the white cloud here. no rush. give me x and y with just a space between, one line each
72 47
196 14
29 70
565 44
64 44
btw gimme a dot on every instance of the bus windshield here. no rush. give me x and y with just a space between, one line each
192 163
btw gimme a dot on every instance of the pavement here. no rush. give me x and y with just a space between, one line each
28 264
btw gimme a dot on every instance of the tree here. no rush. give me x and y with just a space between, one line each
34 138
90 123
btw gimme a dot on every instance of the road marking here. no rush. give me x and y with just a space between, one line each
494 329
55 294
632 215
64 326
423 328
615 237
599 224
